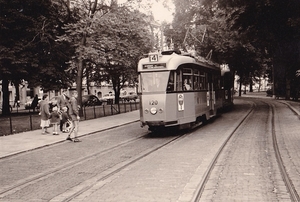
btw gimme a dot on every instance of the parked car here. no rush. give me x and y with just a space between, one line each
108 98
130 96
90 100
87 100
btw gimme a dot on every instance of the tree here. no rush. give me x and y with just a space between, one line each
109 40
257 28
124 37
28 48
79 34
273 28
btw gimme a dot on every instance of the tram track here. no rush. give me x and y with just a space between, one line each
86 188
32 179
288 182
205 178
285 177
100 177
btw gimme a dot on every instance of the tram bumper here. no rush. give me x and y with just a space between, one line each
159 123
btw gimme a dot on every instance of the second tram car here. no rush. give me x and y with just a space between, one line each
176 90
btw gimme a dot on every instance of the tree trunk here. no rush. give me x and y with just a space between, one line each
240 89
116 86
251 86
287 88
79 83
5 103
17 84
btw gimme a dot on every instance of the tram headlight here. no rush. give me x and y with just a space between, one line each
146 111
160 110
153 110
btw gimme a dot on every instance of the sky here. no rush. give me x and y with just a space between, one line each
160 13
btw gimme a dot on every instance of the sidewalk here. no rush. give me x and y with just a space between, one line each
26 141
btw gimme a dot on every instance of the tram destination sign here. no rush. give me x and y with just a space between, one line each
155 66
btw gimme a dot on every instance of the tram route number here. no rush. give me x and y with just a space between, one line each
153 58
153 102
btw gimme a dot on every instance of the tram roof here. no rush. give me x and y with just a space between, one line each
171 62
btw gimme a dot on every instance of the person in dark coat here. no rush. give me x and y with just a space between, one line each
74 114
44 112
63 101
35 102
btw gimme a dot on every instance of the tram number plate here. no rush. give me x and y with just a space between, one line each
153 58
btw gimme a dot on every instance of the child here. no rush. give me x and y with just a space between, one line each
65 119
54 119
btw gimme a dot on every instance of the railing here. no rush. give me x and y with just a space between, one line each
27 120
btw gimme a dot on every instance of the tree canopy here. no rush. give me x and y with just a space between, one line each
28 48
52 43
248 35
108 40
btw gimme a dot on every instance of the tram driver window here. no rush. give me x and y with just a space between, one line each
170 86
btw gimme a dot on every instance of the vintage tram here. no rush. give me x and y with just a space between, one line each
176 90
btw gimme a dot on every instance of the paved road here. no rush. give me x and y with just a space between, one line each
246 171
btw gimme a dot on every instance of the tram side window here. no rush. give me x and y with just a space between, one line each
178 80
203 81
196 80
170 86
187 79
216 82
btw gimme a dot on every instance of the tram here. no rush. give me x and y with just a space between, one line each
175 90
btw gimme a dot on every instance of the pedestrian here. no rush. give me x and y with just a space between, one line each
65 120
74 115
35 102
54 120
63 101
16 101
44 112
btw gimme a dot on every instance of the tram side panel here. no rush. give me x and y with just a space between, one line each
171 109
202 105
186 109
220 96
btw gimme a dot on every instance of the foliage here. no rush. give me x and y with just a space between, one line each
244 34
28 48
108 44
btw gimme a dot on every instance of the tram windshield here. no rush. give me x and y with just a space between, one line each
154 81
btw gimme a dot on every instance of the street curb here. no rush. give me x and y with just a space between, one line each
61 141
292 108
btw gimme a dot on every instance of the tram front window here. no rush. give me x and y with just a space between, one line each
154 81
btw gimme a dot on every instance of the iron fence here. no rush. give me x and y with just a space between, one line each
30 120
